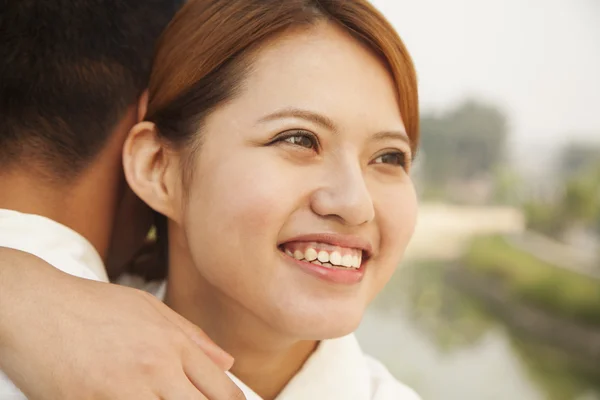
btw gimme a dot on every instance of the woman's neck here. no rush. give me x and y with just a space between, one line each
268 373
264 359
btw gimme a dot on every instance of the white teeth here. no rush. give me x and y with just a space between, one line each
335 258
347 261
323 256
310 254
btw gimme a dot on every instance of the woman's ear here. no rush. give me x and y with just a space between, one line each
151 169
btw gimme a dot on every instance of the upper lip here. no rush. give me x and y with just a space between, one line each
335 239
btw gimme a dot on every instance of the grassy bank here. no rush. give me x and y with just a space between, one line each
544 285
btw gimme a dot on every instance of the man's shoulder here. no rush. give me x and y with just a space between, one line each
56 244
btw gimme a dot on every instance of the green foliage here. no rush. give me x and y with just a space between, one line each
507 185
578 157
560 375
580 202
578 206
549 287
544 218
464 143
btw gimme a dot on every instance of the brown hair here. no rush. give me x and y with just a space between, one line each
204 53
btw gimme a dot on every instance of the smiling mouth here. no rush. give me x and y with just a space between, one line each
325 255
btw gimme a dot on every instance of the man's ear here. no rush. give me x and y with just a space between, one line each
142 106
151 169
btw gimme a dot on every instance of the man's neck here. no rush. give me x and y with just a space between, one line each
85 205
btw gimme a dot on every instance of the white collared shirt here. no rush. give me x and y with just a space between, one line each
337 370
54 243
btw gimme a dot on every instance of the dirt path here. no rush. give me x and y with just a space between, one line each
443 230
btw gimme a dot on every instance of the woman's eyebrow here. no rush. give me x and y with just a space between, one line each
311 116
327 123
398 135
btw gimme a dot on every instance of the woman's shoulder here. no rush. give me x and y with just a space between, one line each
383 384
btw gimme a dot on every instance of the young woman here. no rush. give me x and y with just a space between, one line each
277 144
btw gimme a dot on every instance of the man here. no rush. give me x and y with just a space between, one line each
71 77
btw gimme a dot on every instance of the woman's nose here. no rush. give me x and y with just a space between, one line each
344 195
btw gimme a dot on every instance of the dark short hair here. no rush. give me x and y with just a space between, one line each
68 71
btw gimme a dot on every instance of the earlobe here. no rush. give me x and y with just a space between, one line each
146 164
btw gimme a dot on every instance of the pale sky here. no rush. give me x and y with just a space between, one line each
538 59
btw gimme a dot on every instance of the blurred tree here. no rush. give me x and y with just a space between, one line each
578 207
465 143
508 185
578 157
580 203
544 218
433 152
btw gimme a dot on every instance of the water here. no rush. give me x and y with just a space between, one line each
445 345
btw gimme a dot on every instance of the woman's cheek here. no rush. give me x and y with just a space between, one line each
251 197
398 219
396 224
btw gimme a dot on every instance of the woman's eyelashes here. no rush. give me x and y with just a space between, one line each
299 138
393 158
306 140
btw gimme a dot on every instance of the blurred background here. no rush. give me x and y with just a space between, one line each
499 294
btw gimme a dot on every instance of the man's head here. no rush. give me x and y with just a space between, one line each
72 73
69 71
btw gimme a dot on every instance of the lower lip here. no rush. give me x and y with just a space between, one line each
333 275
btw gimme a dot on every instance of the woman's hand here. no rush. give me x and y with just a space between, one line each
63 337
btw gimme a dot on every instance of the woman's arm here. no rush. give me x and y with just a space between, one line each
63 337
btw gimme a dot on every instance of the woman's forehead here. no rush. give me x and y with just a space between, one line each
323 68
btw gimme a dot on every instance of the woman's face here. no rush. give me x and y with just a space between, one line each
310 161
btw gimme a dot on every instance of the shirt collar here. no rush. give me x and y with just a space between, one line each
336 370
53 242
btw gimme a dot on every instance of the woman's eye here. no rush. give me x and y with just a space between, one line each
395 158
305 140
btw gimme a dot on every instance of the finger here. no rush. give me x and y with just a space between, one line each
183 389
219 356
208 378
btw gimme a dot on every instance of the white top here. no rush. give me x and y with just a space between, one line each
54 243
338 369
